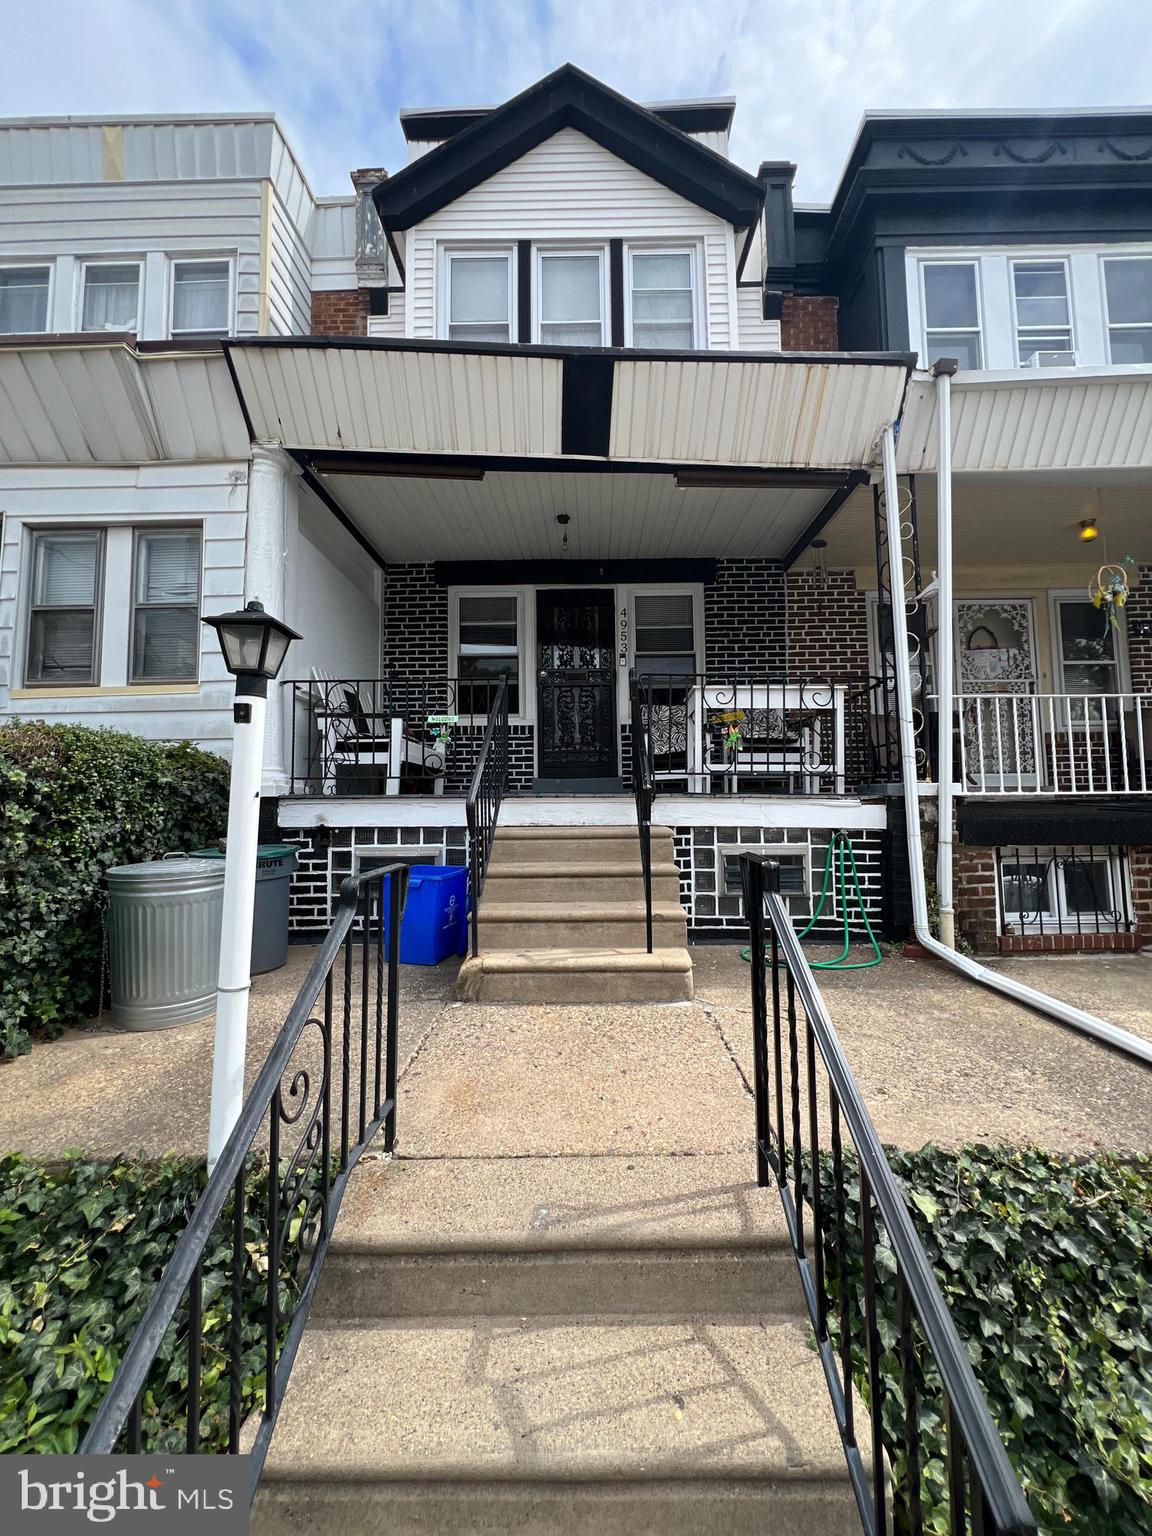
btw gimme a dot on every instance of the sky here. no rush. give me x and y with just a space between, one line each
803 71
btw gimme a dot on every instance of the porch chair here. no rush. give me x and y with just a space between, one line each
354 733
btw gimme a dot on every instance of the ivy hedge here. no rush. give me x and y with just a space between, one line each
82 1247
73 802
1046 1266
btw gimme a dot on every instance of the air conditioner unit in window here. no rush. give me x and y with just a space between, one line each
1062 359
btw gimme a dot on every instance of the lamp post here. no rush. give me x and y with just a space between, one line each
254 646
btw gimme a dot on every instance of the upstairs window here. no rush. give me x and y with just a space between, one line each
951 312
62 627
23 300
662 299
1128 290
479 295
166 607
572 298
201 298
1043 314
111 296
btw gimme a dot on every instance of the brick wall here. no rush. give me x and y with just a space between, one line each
808 323
415 642
1139 611
827 625
340 312
744 619
974 897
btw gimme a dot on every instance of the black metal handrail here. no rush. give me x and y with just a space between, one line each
485 795
338 1097
644 790
984 1495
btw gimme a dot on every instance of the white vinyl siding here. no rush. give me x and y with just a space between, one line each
755 333
569 189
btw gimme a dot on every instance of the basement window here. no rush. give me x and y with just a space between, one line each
411 853
793 869
1064 890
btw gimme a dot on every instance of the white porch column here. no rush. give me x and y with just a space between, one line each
268 575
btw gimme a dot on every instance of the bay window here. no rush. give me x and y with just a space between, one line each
479 295
572 302
111 296
1128 297
201 298
62 626
23 300
951 312
166 606
662 299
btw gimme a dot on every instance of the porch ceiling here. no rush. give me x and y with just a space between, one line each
511 515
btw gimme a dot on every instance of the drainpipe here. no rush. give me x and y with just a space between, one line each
1051 1007
943 370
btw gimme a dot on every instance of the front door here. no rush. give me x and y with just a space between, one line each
576 684
996 674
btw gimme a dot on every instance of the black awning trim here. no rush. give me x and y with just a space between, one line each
1054 823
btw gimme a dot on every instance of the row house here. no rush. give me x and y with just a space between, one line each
567 433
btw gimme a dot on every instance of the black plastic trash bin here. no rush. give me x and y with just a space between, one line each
274 865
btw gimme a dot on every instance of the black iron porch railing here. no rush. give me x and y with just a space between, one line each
720 732
485 795
793 1036
327 1088
386 735
643 789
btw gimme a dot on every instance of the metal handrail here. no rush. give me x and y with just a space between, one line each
643 788
485 796
298 1186
971 1433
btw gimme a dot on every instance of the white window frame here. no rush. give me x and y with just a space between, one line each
792 855
452 252
48 265
1069 298
189 258
48 531
195 603
525 613
689 248
1058 919
109 261
1120 325
415 854
539 253
960 330
626 603
1059 595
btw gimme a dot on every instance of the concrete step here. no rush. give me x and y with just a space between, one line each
531 1237
558 879
558 1425
604 975
576 845
579 924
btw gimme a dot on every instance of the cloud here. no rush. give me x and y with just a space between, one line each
803 71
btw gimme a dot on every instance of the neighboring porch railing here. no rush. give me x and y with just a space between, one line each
485 795
793 1036
1055 743
642 786
263 1224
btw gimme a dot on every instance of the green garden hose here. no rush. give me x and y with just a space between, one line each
839 846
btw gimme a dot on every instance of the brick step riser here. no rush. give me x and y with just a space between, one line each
510 849
581 882
532 987
558 933
704 1282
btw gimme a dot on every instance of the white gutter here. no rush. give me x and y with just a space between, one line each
943 371
1050 1007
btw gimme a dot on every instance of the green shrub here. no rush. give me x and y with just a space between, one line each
74 802
1045 1263
82 1247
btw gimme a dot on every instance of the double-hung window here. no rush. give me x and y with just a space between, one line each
487 648
23 300
1043 313
1128 293
951 312
479 299
665 643
662 299
1087 652
111 300
201 298
62 629
166 606
572 307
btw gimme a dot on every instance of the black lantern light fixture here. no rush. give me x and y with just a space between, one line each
254 646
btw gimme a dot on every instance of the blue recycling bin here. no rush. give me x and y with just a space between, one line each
435 921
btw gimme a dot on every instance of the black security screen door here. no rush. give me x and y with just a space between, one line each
576 684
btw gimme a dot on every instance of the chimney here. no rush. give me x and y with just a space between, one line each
371 245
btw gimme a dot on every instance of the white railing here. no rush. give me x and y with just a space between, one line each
1055 743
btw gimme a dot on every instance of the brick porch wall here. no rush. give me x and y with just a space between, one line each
340 312
809 323
745 632
827 625
1139 610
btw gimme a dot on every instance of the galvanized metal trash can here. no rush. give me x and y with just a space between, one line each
275 863
164 941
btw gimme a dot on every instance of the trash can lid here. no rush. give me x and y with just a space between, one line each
178 871
264 851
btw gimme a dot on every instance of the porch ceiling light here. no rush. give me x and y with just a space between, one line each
1089 530
253 642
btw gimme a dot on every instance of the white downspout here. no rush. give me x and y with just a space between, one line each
1051 1007
943 371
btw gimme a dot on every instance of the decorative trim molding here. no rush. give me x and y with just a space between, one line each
908 152
1128 156
1058 148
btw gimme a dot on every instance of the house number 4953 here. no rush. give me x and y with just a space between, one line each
624 637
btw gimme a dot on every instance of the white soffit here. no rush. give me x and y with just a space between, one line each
107 404
1047 421
512 516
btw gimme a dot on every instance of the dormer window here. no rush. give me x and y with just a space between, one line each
662 299
479 295
573 306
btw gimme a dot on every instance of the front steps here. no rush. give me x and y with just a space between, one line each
546 1346
562 920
